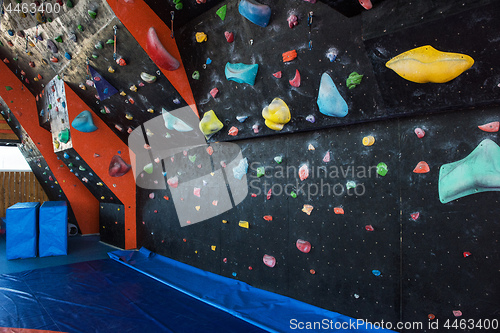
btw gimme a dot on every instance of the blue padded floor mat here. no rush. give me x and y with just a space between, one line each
105 296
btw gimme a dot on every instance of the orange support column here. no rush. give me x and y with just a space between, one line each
23 105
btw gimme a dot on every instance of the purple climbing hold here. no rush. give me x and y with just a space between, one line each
52 47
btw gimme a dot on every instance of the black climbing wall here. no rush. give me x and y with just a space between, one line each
112 224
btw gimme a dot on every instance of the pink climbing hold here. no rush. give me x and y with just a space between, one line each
229 36
415 216
422 167
50 178
303 246
278 75
233 131
151 195
269 193
292 20
256 128
295 82
173 182
118 167
303 172
269 261
367 4
490 127
197 191
419 132
457 313
214 92
326 158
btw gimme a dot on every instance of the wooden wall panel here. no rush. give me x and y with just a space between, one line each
19 187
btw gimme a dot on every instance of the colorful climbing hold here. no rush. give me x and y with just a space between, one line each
276 114
241 73
329 101
158 53
197 192
174 123
64 135
268 217
241 169
173 182
214 92
201 37
84 122
278 159
303 172
307 209
269 261
289 55
244 224
353 80
327 157
52 47
311 147
147 77
295 82
415 216
118 167
310 118
221 12
419 132
426 64
210 124
293 194
369 227
368 140
422 167
376 272
278 74
196 75
303 246
255 12
338 210
292 20
467 254
229 36
261 171
382 169
490 127
269 194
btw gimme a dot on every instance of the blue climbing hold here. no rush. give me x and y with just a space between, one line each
84 122
67 56
376 272
330 101
241 73
209 61
66 155
255 12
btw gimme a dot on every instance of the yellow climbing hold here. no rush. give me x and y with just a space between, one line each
244 224
224 221
150 110
311 147
368 140
111 69
197 207
213 247
133 88
426 64
201 37
210 124
276 114
123 93
57 144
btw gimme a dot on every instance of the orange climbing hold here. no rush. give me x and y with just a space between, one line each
268 218
289 56
338 210
307 209
233 131
210 150
490 127
422 167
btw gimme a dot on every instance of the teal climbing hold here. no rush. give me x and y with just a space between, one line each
241 169
241 73
478 172
64 135
84 122
174 123
330 102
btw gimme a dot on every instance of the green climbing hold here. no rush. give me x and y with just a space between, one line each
192 158
261 171
15 59
221 12
69 4
278 159
81 168
80 27
103 111
64 135
382 169
110 41
148 168
293 194
95 56
50 106
353 80
58 39
177 1
8 88
196 75
350 184
70 164
49 19
92 13
179 6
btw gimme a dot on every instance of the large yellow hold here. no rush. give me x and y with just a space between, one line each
426 64
276 114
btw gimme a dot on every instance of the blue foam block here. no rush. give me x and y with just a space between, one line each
53 237
21 230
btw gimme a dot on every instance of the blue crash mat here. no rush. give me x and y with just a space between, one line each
53 226
21 230
269 311
105 296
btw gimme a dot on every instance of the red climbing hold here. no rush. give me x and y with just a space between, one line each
303 246
295 82
367 4
431 316
173 182
254 195
224 260
197 191
269 194
250 268
312 271
338 210
490 127
422 167
210 150
118 167
369 227
415 216
233 131
466 254
268 217
158 53
229 36
278 75
269 261
6 61
419 132
121 62
214 92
